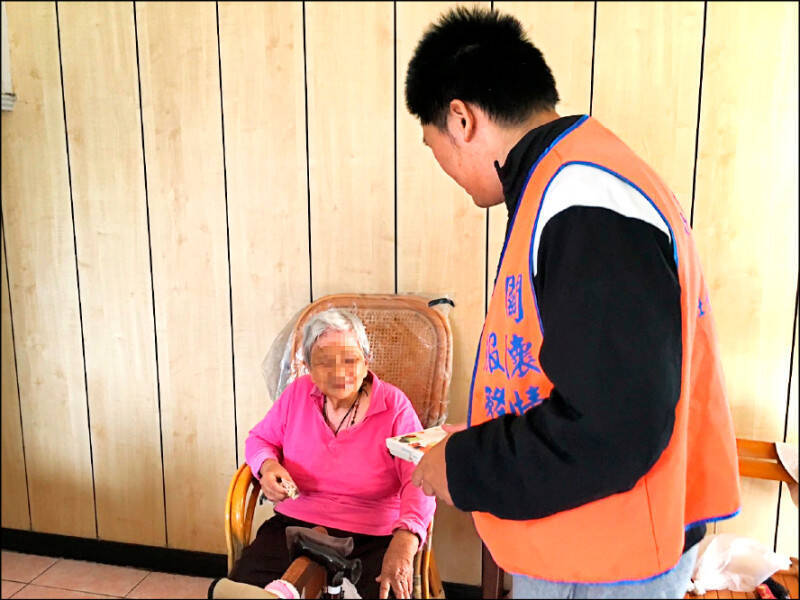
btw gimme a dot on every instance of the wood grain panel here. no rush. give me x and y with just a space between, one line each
745 220
788 542
111 232
42 279
183 150
15 512
563 32
646 82
264 106
441 246
351 146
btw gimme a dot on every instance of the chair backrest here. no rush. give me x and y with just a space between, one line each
411 344
759 460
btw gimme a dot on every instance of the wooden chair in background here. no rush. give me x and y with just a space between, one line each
759 460
412 348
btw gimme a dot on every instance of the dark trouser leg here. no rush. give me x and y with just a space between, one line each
267 557
370 549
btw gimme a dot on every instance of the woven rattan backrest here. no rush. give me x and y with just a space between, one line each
412 346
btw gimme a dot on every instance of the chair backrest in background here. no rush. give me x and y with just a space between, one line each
411 344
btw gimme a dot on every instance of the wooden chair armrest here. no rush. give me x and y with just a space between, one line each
239 510
755 449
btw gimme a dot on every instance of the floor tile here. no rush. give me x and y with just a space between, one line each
38 591
165 585
90 577
10 587
24 567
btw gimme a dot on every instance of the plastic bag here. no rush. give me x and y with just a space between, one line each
730 562
276 366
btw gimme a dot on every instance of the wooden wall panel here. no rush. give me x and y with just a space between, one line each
351 146
646 82
648 69
105 146
15 512
788 542
563 31
265 145
42 279
745 220
180 81
441 249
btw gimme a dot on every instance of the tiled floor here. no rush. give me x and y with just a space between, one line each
31 576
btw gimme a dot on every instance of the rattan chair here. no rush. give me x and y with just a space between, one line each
412 348
758 460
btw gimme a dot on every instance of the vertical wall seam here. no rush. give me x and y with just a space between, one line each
788 402
308 167
699 107
152 284
486 250
77 271
16 371
791 359
228 242
594 46
394 60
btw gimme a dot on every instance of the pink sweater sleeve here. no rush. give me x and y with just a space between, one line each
265 440
416 509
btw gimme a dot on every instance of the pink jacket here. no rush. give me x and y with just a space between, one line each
349 481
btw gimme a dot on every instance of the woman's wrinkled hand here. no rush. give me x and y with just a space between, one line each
397 571
272 473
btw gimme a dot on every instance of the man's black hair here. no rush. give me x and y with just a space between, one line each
478 56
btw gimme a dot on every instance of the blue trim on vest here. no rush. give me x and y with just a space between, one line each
634 186
713 519
563 134
610 583
474 372
647 580
541 202
503 252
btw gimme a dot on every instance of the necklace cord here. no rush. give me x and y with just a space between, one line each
344 418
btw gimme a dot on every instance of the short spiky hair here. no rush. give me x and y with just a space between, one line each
479 56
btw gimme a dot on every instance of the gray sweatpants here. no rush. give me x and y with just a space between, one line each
672 584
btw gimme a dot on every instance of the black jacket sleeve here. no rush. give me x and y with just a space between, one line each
609 301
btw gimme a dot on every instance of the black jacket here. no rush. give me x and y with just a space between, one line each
609 300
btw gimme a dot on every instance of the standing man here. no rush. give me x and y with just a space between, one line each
599 441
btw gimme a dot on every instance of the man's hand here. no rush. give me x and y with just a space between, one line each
272 473
397 571
431 472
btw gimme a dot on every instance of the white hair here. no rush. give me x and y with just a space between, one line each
333 319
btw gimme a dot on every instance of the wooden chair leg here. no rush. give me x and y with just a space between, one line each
419 581
491 576
435 589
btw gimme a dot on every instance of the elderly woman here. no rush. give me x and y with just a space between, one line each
325 434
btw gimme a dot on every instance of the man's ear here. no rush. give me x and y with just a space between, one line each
461 120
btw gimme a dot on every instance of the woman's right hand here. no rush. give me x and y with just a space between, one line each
272 473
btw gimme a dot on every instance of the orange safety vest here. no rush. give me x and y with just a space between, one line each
638 534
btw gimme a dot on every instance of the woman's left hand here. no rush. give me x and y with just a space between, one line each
397 571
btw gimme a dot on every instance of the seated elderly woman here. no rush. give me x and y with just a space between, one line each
326 435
